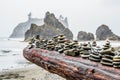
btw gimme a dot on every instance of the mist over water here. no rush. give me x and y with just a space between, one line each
84 15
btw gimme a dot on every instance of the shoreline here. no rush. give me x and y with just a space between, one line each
28 73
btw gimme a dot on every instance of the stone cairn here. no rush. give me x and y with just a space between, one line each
86 51
116 60
106 55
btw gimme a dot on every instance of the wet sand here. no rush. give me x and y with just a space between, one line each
28 73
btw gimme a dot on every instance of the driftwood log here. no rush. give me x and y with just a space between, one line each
71 68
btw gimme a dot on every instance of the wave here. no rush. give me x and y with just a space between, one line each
16 39
6 51
10 50
12 39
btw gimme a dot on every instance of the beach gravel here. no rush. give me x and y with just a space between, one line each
29 73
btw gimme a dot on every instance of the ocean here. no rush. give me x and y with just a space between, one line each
11 52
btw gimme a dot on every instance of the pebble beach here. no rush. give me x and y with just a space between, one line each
28 73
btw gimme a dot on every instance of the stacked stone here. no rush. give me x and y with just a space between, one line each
31 43
116 60
32 40
57 47
73 49
37 41
107 55
69 52
67 44
55 39
94 44
43 43
61 41
89 44
85 53
95 55
50 45
75 44
107 45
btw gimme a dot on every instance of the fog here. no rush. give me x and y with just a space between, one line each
85 15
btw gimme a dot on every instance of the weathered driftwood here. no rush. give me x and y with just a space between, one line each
71 68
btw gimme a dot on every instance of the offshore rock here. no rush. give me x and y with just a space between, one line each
63 20
84 36
20 29
51 27
103 32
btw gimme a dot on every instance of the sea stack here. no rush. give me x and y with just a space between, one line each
21 28
103 32
51 27
84 36
50 19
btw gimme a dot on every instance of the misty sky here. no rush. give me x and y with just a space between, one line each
84 15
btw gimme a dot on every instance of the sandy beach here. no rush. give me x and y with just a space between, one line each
28 73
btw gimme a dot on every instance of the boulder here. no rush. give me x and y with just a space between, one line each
84 36
103 32
51 27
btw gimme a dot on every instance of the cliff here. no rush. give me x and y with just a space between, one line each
51 27
103 32
21 28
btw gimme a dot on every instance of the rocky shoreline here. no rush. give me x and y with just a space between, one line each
28 73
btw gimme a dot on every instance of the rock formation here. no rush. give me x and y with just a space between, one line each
20 29
84 36
64 21
50 28
103 32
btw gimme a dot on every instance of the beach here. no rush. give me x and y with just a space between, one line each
13 66
28 73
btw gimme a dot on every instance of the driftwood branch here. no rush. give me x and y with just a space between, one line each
71 68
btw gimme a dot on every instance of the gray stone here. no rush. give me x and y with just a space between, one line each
103 32
20 29
51 27
64 21
84 36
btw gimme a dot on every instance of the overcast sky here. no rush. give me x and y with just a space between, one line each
84 15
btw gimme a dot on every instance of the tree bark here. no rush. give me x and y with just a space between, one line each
71 68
